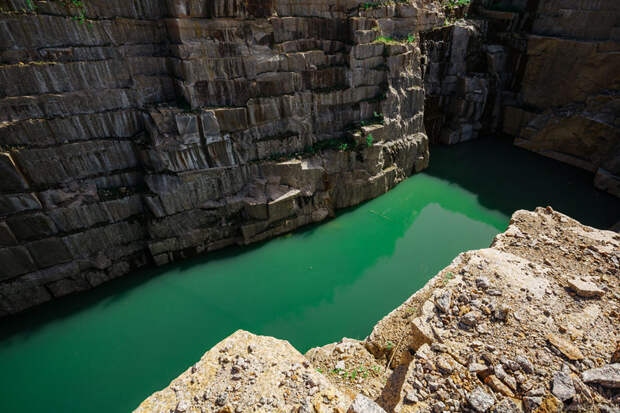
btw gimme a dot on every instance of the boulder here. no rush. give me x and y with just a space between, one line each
245 371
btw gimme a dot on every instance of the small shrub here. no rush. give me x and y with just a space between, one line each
447 277
343 146
369 140
452 4
77 5
400 40
378 117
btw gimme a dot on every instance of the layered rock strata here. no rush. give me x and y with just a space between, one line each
543 72
529 324
144 132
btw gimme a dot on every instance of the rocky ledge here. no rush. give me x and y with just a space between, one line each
529 324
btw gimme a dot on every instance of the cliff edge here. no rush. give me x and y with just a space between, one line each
529 324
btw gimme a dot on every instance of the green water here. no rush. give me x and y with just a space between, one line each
108 349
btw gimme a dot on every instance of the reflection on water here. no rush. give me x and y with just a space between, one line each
108 349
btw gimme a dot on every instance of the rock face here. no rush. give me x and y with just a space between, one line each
149 131
139 133
544 72
568 103
523 360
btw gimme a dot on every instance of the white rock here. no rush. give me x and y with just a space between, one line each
480 400
585 288
363 404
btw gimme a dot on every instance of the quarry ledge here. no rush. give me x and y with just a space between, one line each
525 325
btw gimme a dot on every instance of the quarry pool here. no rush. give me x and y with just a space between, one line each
108 349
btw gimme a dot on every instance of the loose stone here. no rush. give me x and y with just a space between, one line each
606 376
585 288
480 400
563 387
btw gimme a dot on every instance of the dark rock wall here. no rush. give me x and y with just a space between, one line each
148 131
546 72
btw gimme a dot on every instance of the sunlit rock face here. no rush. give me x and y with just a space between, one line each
527 325
542 72
143 132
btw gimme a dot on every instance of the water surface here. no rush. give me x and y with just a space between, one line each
108 349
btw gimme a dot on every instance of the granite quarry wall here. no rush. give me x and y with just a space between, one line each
545 72
136 133
144 132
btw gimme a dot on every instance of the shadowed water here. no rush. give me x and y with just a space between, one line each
108 349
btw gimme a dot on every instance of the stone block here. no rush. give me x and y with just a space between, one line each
561 71
49 251
6 235
13 203
12 180
15 261
231 119
33 226
77 160
21 294
67 286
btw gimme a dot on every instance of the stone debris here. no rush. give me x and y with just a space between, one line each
563 387
585 288
363 404
443 301
606 376
569 350
230 378
616 357
430 354
506 406
480 400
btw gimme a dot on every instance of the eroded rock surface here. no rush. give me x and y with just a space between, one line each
245 373
154 130
540 71
498 330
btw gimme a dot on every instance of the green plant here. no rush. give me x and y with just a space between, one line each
447 277
386 40
398 40
389 345
343 146
78 6
319 370
369 140
452 4
449 21
81 10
